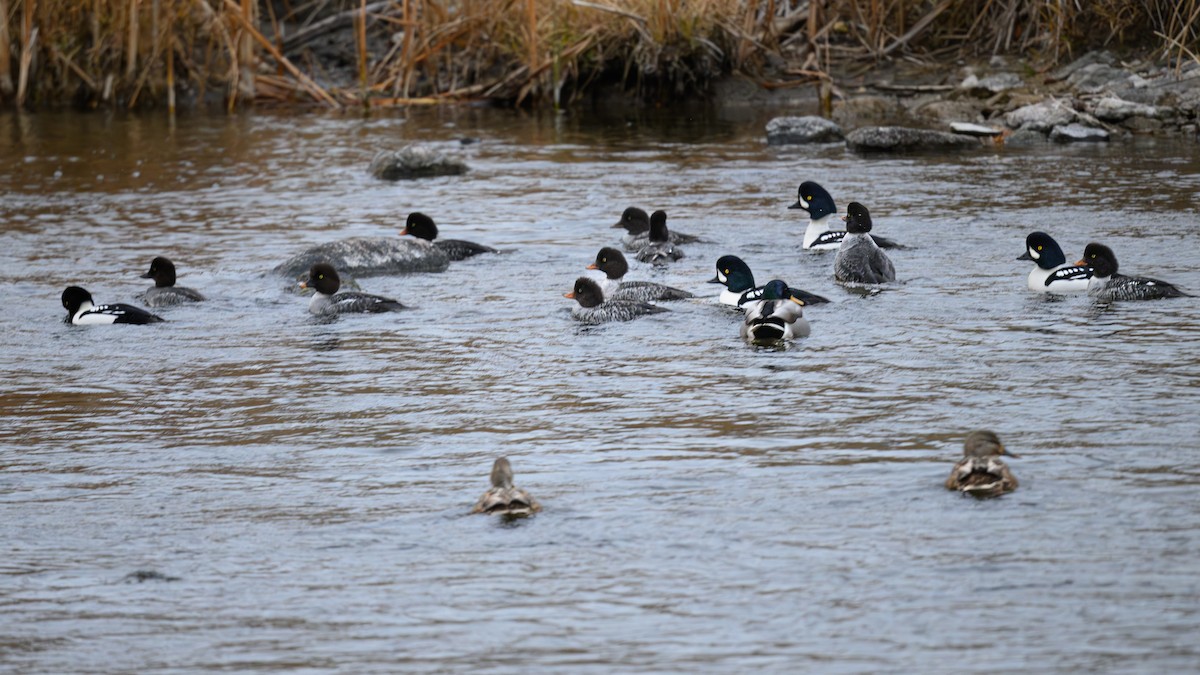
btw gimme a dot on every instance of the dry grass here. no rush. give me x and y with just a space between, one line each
412 51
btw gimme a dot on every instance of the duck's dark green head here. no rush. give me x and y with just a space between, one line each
734 274
814 199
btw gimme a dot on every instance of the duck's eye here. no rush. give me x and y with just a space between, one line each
726 270
808 198
320 276
1039 248
603 260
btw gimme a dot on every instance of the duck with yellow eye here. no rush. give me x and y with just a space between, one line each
824 233
735 275
859 259
981 472
612 262
1052 273
503 498
778 315
595 309
323 278
1107 285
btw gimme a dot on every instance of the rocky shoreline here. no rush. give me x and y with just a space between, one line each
1095 98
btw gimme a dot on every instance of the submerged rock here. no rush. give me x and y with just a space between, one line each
369 256
414 161
1068 133
899 139
808 129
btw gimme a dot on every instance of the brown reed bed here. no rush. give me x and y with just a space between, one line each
403 52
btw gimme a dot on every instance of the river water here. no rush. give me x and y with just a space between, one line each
301 490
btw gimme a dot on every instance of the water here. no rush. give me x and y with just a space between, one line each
709 506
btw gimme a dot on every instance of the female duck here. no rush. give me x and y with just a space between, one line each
612 262
822 232
660 250
165 293
594 309
738 280
504 498
81 311
637 224
1052 273
1107 285
981 473
422 226
779 315
323 278
859 260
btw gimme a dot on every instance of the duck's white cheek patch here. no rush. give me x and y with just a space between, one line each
1034 254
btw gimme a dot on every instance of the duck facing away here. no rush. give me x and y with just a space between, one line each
1107 285
612 262
981 472
82 311
660 250
636 223
504 498
422 226
859 260
165 293
823 231
779 315
735 275
1052 274
594 309
323 278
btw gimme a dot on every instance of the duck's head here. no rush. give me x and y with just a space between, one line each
1043 250
1101 258
73 298
162 271
813 198
858 219
733 273
610 261
420 226
586 292
984 443
658 227
502 475
323 278
778 290
634 220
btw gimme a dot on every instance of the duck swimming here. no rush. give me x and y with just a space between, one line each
503 498
422 226
323 278
735 275
981 473
369 256
1052 274
859 260
779 315
612 262
594 309
659 250
823 231
82 311
1107 285
165 293
637 225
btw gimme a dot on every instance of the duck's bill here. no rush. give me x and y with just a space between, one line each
403 232
716 280
796 300
1008 453
1082 263
1025 256
569 295
592 267
147 275
303 284
799 205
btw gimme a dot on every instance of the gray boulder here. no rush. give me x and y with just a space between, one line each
369 256
991 84
1072 133
414 161
1113 109
1041 116
807 129
901 139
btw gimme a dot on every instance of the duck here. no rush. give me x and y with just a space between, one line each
503 498
1052 274
369 256
822 233
164 292
779 315
594 309
981 473
1107 285
422 226
659 250
83 311
735 275
323 278
859 259
612 262
637 226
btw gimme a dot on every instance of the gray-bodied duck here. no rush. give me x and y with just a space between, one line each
323 278
779 315
422 226
1107 284
595 309
859 259
164 292
612 262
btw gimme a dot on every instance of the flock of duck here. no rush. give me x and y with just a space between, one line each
772 312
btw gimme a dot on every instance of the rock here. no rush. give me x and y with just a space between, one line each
369 256
968 129
1041 116
414 161
1113 109
1024 138
1087 59
1067 133
808 129
1142 125
949 111
991 84
899 139
1100 76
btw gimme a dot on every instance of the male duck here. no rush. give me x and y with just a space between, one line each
1107 285
82 311
594 309
981 473
422 226
165 293
822 232
504 498
859 260
323 278
1052 273
612 262
779 315
738 280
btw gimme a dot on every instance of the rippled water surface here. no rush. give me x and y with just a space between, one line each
303 489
